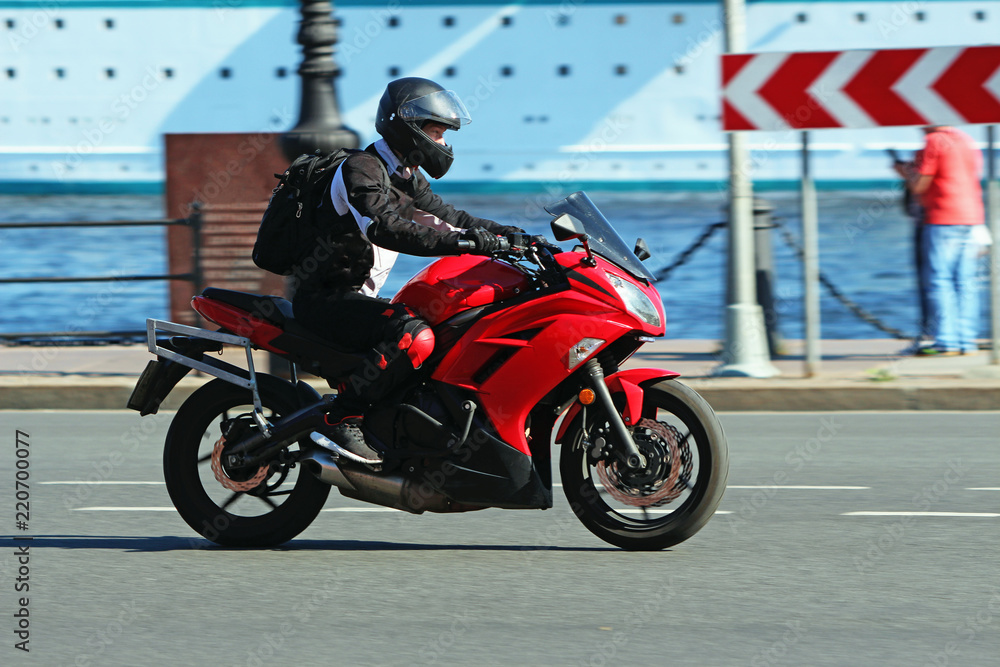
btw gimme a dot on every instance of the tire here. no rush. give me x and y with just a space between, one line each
277 509
693 470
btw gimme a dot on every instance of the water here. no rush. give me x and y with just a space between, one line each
81 252
865 248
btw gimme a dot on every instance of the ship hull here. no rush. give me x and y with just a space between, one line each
612 94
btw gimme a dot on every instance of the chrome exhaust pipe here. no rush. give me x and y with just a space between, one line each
323 464
388 490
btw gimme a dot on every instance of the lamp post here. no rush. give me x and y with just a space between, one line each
319 126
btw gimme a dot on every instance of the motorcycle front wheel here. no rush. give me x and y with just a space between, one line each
677 492
259 508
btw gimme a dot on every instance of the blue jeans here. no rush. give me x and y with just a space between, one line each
950 275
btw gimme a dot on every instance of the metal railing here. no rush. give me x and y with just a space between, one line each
194 222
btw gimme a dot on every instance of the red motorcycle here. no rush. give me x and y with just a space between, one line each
529 345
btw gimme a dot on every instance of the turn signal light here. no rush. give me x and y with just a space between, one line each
581 351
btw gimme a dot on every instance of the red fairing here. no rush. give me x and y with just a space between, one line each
594 281
453 284
514 357
238 321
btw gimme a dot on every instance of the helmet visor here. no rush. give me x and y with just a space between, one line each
443 106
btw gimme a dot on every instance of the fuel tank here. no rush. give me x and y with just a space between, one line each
453 284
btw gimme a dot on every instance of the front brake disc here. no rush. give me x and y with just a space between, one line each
658 483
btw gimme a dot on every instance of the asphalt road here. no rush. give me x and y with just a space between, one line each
800 567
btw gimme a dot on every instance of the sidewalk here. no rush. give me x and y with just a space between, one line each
854 375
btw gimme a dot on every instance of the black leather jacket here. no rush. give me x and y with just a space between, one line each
345 258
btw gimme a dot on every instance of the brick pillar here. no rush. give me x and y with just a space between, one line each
232 176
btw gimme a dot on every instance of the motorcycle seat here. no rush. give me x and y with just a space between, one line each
274 310
269 308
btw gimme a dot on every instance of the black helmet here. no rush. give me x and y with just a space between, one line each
405 107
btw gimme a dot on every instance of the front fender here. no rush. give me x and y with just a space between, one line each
629 383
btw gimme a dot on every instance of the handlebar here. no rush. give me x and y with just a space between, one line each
530 243
465 245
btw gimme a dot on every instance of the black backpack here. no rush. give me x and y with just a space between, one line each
289 229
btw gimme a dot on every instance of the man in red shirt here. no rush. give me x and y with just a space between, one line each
947 181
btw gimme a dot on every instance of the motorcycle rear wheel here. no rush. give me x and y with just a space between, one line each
283 504
621 519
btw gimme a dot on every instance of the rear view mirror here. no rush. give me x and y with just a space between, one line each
565 227
641 250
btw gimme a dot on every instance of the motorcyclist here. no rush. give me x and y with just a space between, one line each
381 205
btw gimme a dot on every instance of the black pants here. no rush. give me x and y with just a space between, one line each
380 330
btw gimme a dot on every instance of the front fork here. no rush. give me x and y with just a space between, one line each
630 453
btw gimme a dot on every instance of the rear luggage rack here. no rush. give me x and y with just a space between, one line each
154 326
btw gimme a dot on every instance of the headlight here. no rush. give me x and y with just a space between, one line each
635 300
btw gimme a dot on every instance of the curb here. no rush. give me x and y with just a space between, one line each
834 396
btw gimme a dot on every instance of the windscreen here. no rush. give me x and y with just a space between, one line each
604 240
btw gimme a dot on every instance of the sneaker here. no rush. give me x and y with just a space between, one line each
346 439
936 352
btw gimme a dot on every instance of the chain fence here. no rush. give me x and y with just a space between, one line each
663 274
78 336
837 294
685 256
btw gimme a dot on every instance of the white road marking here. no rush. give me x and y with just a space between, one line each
975 514
558 485
362 509
124 509
171 509
785 486
329 509
792 486
983 488
657 509
100 482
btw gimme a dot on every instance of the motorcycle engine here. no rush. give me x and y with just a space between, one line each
418 419
414 429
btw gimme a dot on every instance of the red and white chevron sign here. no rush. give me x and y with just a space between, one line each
940 86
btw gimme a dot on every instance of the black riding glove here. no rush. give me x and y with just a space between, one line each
507 230
485 242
